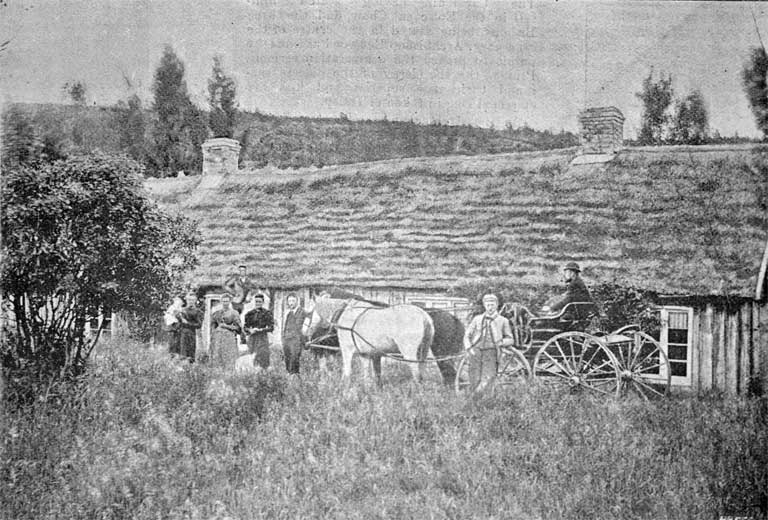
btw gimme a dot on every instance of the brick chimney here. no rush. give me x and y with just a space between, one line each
220 156
602 130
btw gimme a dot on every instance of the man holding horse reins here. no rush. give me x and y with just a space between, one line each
485 334
293 333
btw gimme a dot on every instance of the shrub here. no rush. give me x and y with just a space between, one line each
81 238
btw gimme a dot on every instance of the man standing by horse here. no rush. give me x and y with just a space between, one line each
293 337
258 323
238 286
485 334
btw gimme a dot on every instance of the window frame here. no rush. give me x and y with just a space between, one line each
664 311
106 333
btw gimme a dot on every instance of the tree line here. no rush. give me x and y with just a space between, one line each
165 137
671 119
166 134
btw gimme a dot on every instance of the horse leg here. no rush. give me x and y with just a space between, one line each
346 358
416 370
322 363
447 371
376 366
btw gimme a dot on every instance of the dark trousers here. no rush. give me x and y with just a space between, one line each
188 344
292 354
173 342
258 345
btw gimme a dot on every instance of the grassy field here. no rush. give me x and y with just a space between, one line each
152 438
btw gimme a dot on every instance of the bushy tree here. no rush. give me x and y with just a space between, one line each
80 236
222 92
620 305
131 124
754 79
179 128
656 97
21 143
690 124
76 91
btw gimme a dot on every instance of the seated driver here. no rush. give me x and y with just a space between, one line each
575 290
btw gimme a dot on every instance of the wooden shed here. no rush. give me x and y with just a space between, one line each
690 223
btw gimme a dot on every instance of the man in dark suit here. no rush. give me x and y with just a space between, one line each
293 337
190 321
575 290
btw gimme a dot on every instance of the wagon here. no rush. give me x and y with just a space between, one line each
558 351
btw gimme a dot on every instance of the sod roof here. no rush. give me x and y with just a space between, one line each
689 221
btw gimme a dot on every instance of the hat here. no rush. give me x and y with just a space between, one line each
572 266
490 297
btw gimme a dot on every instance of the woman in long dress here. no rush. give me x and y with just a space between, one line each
226 330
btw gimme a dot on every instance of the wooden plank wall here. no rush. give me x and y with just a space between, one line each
729 348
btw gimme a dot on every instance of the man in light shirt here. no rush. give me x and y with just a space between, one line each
485 334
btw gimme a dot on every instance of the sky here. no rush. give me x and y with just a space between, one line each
480 62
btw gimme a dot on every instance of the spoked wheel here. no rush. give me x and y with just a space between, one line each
576 362
463 384
643 366
512 367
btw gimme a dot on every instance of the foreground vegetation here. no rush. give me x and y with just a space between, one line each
152 438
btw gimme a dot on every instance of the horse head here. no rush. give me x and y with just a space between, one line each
324 309
520 321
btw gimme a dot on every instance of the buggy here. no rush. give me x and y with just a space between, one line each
565 351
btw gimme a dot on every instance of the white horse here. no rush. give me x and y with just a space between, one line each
371 331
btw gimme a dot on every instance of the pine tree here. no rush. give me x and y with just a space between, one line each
657 98
753 77
222 92
179 128
691 121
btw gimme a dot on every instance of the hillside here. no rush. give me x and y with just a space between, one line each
674 221
296 142
292 142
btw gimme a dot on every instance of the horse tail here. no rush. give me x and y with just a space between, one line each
427 338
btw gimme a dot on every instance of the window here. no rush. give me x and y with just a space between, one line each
675 340
437 302
105 318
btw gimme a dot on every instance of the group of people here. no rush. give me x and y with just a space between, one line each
241 319
182 321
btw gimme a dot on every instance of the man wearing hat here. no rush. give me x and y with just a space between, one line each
485 334
258 322
575 290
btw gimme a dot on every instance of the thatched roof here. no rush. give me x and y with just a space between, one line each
677 221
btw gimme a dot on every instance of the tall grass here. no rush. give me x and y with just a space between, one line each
151 438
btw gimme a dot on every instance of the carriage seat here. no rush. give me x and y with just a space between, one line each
574 316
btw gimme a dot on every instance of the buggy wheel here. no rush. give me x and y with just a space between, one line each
473 375
644 368
462 382
512 367
577 362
